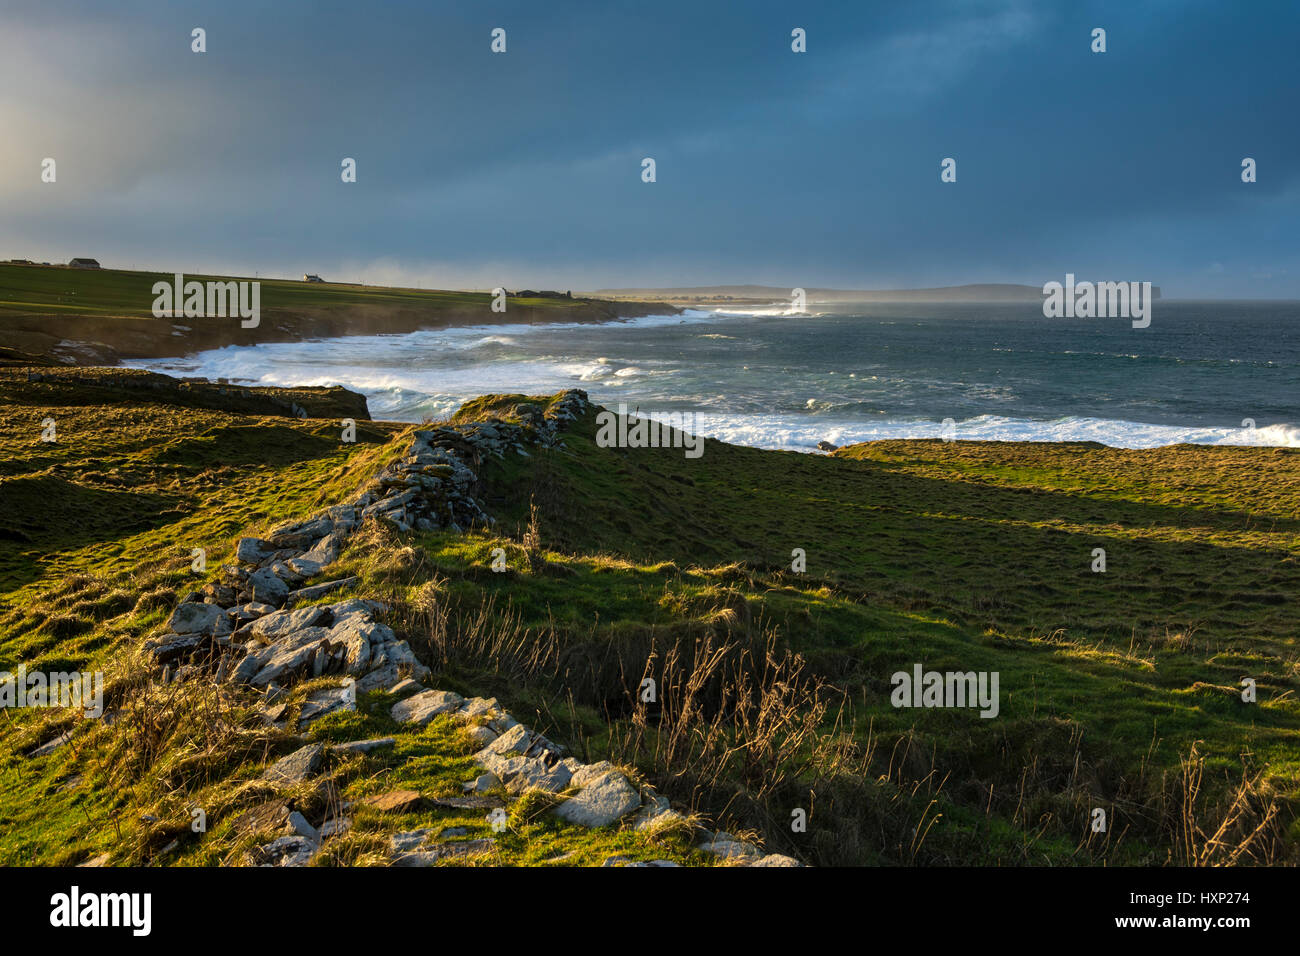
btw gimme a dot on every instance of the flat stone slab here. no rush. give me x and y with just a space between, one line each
317 590
198 618
296 767
591 772
480 705
271 627
253 550
281 660
272 815
443 851
364 746
425 706
264 587
732 849
395 801
49 747
251 611
602 802
327 701
523 773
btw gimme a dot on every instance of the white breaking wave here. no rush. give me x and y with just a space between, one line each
797 433
431 373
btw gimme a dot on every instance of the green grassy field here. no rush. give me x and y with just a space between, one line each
108 312
1119 690
119 292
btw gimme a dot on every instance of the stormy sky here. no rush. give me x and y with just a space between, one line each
477 169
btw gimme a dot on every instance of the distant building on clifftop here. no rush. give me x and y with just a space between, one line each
83 263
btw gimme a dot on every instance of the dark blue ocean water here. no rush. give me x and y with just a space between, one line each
1202 372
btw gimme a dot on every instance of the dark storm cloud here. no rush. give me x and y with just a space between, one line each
524 168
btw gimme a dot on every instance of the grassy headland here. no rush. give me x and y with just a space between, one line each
99 316
1119 690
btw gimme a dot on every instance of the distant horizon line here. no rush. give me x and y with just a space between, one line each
733 290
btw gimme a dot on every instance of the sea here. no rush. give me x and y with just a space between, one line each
1215 373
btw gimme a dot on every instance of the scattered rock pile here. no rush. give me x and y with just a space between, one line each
513 758
243 626
257 627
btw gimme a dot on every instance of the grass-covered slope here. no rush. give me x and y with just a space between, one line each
96 316
1119 690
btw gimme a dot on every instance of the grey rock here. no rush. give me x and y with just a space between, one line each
379 679
408 840
285 851
523 773
296 767
300 569
327 550
503 723
251 611
425 706
518 739
282 660
395 653
364 641
480 705
364 607
47 748
171 647
271 627
328 700
263 586
303 595
442 851
364 746
728 848
659 820
601 802
482 736
311 529
299 825
199 619
590 773
482 783
287 574
253 550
